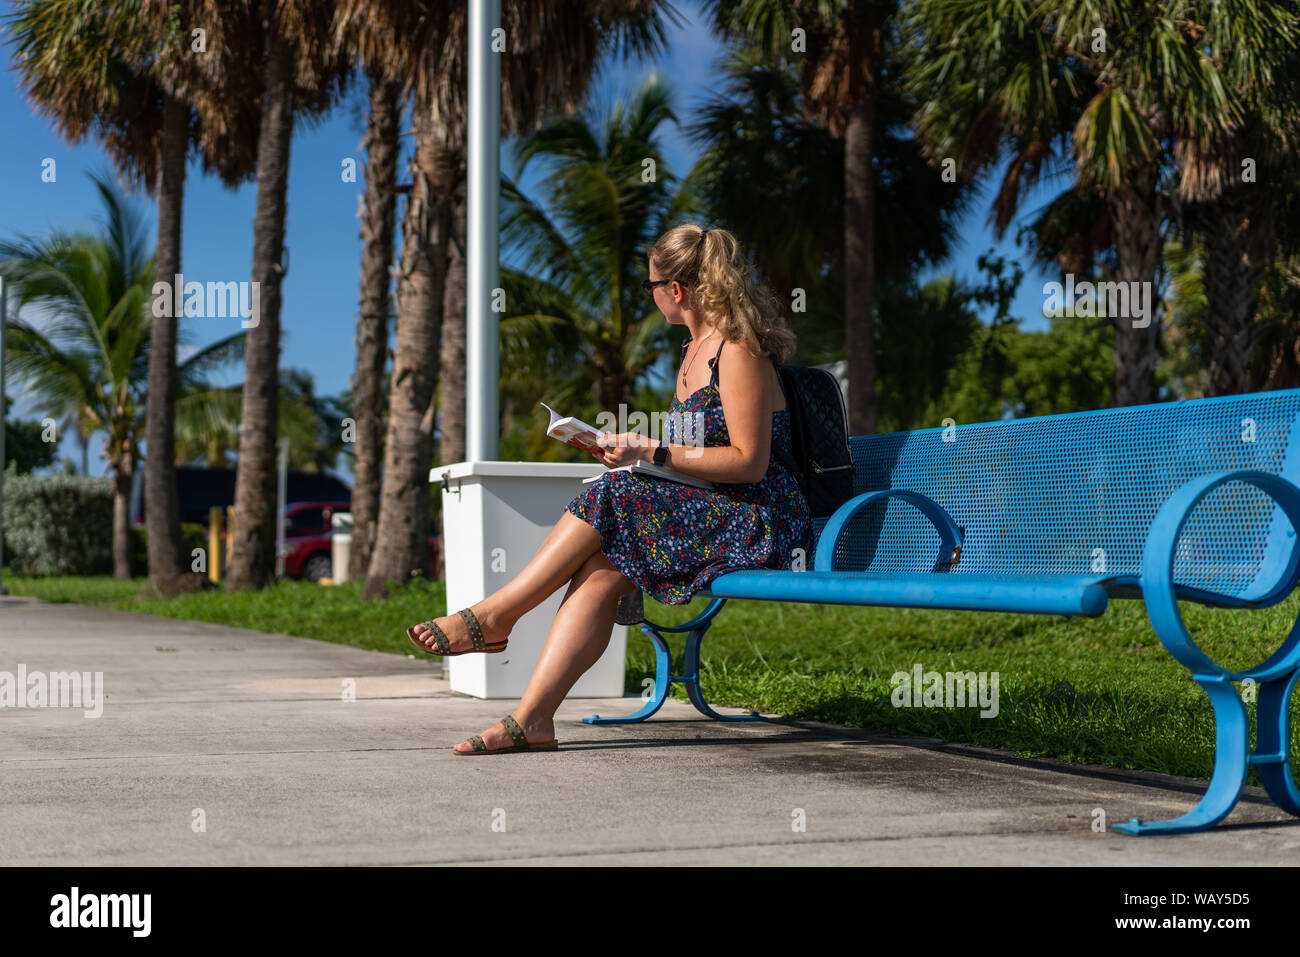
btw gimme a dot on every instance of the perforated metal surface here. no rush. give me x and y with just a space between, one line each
1075 494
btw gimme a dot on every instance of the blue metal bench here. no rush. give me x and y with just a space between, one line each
1194 500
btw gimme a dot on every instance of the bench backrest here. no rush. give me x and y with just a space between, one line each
1076 494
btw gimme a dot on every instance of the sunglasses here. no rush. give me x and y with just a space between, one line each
649 285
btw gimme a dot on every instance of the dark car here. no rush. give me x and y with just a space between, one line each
307 541
199 489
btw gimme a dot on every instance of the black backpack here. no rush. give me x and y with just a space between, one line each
819 436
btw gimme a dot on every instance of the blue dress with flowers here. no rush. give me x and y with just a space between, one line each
672 540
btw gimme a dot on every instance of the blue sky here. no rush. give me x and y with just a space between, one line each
320 290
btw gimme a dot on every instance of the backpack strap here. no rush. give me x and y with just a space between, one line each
781 383
782 456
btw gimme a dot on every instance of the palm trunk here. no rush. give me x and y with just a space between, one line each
162 510
122 477
860 225
252 558
1137 254
613 387
401 545
377 224
1238 236
451 417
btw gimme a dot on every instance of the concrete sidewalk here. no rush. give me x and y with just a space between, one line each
250 731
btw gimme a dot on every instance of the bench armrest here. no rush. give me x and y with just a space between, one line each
1157 578
951 534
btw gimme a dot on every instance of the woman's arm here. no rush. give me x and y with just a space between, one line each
742 386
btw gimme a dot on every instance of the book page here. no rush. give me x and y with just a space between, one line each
571 431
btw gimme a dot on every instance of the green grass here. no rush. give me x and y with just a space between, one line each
1100 691
289 607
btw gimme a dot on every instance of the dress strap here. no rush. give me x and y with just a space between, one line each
713 363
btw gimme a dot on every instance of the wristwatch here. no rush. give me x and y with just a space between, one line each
661 455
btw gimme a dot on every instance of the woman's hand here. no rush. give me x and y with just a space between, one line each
623 449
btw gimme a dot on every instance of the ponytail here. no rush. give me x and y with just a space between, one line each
725 289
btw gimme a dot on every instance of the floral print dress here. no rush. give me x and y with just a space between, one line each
672 540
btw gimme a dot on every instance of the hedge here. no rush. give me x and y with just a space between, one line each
58 524
63 525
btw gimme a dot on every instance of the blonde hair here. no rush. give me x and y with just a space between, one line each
724 288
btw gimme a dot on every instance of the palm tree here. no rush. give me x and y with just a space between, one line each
1104 88
765 155
590 303
98 289
379 205
119 71
552 49
1233 183
83 429
449 400
451 375
382 145
841 80
90 360
294 64
207 423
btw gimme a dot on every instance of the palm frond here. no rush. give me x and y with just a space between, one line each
212 357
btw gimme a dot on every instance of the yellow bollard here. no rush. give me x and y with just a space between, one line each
214 545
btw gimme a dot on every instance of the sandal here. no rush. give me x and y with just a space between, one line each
444 643
521 742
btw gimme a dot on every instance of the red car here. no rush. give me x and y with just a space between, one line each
307 532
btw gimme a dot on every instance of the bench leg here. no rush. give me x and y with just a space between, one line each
663 677
695 629
692 682
1273 741
1232 757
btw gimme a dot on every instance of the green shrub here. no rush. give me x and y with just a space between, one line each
139 550
58 524
194 536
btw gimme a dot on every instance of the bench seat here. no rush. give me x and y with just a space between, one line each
1084 596
1044 595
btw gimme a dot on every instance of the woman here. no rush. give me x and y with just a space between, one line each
627 533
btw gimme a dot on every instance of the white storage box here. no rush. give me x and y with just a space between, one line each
495 516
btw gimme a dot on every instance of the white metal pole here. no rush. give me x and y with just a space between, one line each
3 295
282 483
482 266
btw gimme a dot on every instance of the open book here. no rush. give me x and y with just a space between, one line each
571 431
656 471
575 432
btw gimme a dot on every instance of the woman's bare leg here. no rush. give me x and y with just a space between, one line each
578 637
568 545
